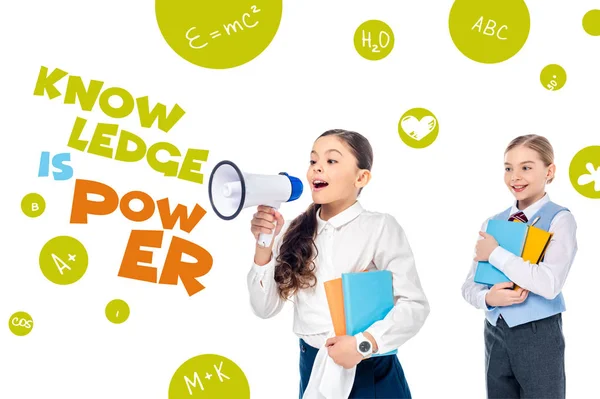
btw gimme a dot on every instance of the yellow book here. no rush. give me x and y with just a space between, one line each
536 242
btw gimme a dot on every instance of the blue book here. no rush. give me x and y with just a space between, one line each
368 297
510 236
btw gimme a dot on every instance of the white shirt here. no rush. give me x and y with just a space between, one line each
352 241
545 278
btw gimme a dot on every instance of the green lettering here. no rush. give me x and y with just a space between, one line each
100 143
45 82
168 168
123 153
87 97
165 123
125 108
74 141
190 168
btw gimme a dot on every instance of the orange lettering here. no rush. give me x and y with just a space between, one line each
147 209
82 207
180 212
130 267
187 271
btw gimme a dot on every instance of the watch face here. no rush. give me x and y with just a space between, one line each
364 346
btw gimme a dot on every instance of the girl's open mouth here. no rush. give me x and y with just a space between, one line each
319 185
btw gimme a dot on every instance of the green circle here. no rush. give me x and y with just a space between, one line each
20 323
553 77
418 128
591 22
63 260
584 172
33 205
218 34
117 311
489 31
374 40
211 377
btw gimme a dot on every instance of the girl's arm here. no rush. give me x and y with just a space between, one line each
411 308
548 277
473 292
264 293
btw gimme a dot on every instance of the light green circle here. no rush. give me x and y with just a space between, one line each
20 323
591 22
418 128
584 172
374 40
218 34
553 77
210 377
117 311
63 260
489 31
33 205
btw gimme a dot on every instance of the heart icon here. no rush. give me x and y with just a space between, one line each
418 129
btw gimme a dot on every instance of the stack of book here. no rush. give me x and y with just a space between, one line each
357 300
526 241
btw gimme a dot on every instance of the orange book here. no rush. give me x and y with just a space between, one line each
335 300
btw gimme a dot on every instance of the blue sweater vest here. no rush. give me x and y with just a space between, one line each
535 307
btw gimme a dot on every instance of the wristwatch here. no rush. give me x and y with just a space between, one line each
363 346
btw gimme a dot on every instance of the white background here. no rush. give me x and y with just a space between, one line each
264 116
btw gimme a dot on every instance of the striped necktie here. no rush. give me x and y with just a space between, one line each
519 216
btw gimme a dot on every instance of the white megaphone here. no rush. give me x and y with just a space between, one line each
230 191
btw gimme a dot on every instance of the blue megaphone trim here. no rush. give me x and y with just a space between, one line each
297 187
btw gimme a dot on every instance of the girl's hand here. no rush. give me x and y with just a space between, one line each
343 351
502 294
485 247
266 220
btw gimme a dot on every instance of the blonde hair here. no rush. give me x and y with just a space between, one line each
539 144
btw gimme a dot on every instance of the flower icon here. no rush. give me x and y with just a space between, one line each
593 176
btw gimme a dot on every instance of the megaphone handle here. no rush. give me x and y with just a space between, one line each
264 239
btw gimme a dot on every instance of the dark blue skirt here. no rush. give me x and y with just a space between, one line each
376 377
